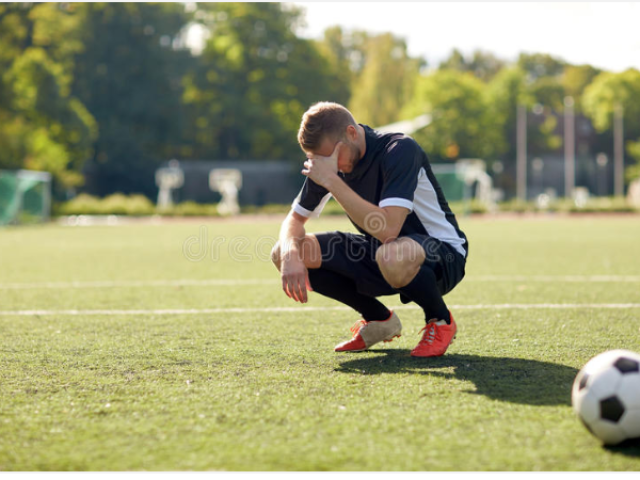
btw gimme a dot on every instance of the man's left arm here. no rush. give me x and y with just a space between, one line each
383 222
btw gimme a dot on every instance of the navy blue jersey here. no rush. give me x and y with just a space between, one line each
394 171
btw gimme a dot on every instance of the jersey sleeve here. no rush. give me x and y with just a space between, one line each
401 167
311 199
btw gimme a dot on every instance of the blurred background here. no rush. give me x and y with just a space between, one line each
172 108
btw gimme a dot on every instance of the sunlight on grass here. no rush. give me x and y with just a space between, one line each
265 391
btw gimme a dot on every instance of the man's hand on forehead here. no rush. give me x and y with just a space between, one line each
321 169
334 154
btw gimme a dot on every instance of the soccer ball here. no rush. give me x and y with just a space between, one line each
606 396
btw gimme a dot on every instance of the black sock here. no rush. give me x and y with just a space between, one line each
423 290
343 289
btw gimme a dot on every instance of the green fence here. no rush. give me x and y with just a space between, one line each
451 180
25 196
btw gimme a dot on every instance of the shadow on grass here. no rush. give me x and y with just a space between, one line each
628 448
514 380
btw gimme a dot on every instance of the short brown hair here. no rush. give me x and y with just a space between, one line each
323 119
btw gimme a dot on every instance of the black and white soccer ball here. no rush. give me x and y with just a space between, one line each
606 396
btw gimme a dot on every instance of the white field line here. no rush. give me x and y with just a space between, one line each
202 311
139 283
553 278
274 281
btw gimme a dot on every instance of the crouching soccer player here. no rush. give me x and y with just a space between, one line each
409 244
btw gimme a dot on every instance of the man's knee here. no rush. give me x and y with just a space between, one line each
399 261
276 255
309 251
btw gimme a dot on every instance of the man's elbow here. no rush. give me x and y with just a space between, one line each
387 223
388 234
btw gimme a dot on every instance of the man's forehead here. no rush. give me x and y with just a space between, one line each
327 145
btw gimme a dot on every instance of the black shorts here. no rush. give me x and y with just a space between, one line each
354 256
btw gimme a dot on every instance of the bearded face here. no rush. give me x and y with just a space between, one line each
352 154
348 156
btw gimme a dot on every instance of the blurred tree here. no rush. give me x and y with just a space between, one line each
385 83
128 76
600 100
455 61
338 48
462 126
548 92
509 89
68 71
575 80
505 92
538 65
543 119
483 65
253 82
346 49
42 126
607 89
549 81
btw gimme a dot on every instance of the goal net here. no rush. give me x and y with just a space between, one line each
464 181
25 196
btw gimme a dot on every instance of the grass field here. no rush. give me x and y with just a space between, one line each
121 348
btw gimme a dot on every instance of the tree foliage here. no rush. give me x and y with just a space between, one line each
128 75
609 89
343 51
505 92
575 79
104 93
539 65
483 65
385 83
461 126
606 92
378 70
42 125
252 83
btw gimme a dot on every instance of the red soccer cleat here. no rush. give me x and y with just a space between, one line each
437 337
366 334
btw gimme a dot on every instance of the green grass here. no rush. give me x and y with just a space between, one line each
265 391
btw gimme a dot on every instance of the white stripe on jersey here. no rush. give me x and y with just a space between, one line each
396 202
432 217
308 213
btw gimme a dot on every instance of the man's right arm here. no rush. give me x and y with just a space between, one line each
293 248
292 234
295 279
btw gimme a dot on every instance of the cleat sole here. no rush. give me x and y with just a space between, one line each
387 340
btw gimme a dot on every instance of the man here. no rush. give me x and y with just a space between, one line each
410 242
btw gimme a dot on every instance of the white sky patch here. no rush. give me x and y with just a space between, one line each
603 34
